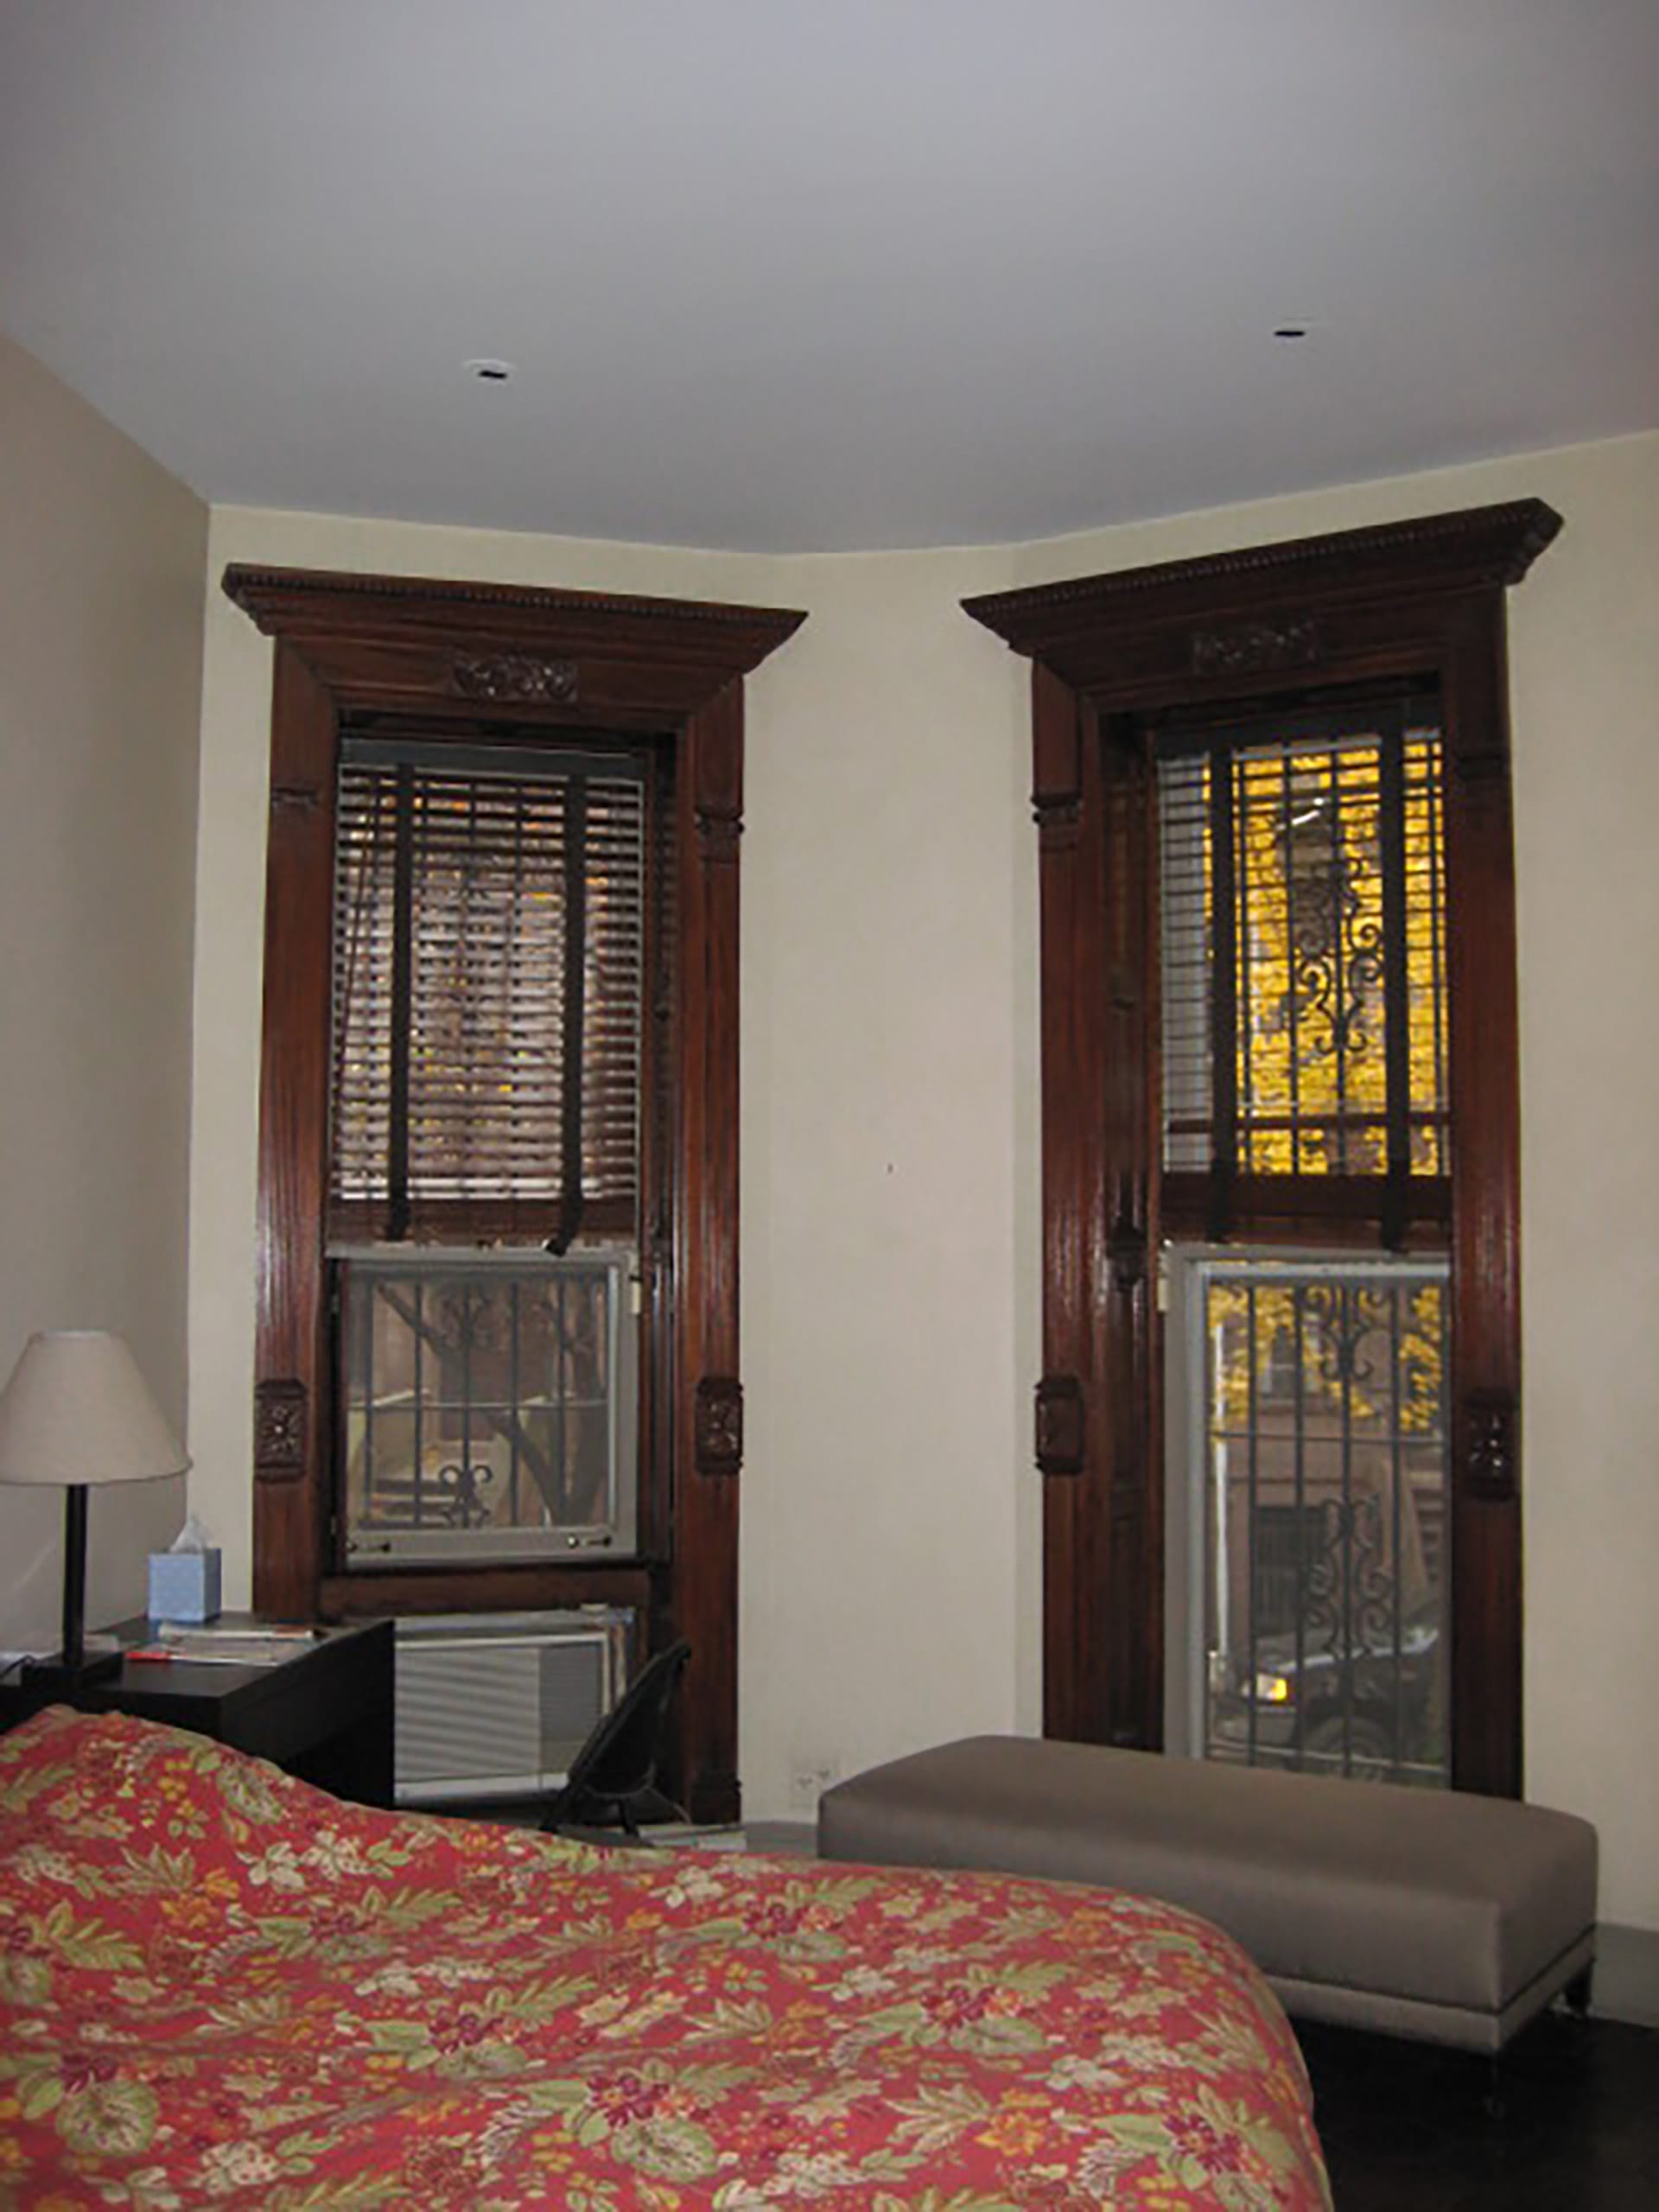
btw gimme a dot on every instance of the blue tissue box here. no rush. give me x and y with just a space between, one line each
183 1585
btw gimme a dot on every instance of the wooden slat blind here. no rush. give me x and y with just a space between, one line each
1302 891
489 961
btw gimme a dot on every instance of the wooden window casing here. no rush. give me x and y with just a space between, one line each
1414 604
466 661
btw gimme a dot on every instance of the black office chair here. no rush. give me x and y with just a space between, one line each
614 1773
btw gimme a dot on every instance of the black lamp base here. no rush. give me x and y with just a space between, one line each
58 1675
72 1668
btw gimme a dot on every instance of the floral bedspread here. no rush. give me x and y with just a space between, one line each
219 1987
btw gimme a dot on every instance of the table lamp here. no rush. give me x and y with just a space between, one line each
78 1411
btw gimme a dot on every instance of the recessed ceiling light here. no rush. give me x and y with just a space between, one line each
490 371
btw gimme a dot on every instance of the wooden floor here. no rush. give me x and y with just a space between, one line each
1406 2128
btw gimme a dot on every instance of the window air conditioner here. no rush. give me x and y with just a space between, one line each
497 1705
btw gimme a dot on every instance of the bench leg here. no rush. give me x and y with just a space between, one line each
1578 1992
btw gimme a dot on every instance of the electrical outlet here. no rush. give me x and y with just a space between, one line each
809 1779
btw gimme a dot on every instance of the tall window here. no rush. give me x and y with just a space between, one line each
1302 902
455 1201
1279 1008
492 912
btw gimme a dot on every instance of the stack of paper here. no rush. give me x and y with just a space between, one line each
225 1647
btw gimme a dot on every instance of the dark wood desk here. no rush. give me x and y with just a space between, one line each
326 1714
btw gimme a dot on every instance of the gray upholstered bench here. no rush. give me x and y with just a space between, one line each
1416 1911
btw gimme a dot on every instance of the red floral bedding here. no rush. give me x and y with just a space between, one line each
219 1987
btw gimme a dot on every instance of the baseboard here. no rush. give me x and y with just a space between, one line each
1627 1974
782 1839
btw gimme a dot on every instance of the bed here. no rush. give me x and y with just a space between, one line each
220 1987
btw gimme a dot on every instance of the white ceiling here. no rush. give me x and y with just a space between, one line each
820 274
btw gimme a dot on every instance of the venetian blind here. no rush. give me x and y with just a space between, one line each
490 908
1303 903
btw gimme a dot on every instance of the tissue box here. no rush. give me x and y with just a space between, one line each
183 1585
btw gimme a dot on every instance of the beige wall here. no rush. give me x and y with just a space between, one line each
890 1176
101 556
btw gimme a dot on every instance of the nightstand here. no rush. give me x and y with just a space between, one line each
326 1714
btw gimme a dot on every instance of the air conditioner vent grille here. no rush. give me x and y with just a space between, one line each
499 1707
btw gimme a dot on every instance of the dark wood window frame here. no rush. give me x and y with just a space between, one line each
1423 599
471 654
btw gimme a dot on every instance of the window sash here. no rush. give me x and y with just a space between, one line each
1303 913
488 990
1317 1398
489 1404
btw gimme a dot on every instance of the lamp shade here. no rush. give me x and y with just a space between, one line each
77 1410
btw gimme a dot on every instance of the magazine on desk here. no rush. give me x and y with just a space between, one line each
223 1647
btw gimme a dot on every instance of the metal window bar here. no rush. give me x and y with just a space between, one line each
1299 1342
1293 1002
445 1352
562 1425
1355 1649
468 1326
1253 1498
1342 984
1396 1482
515 1388
1343 1317
420 1395
1224 994
1242 1054
1396 985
